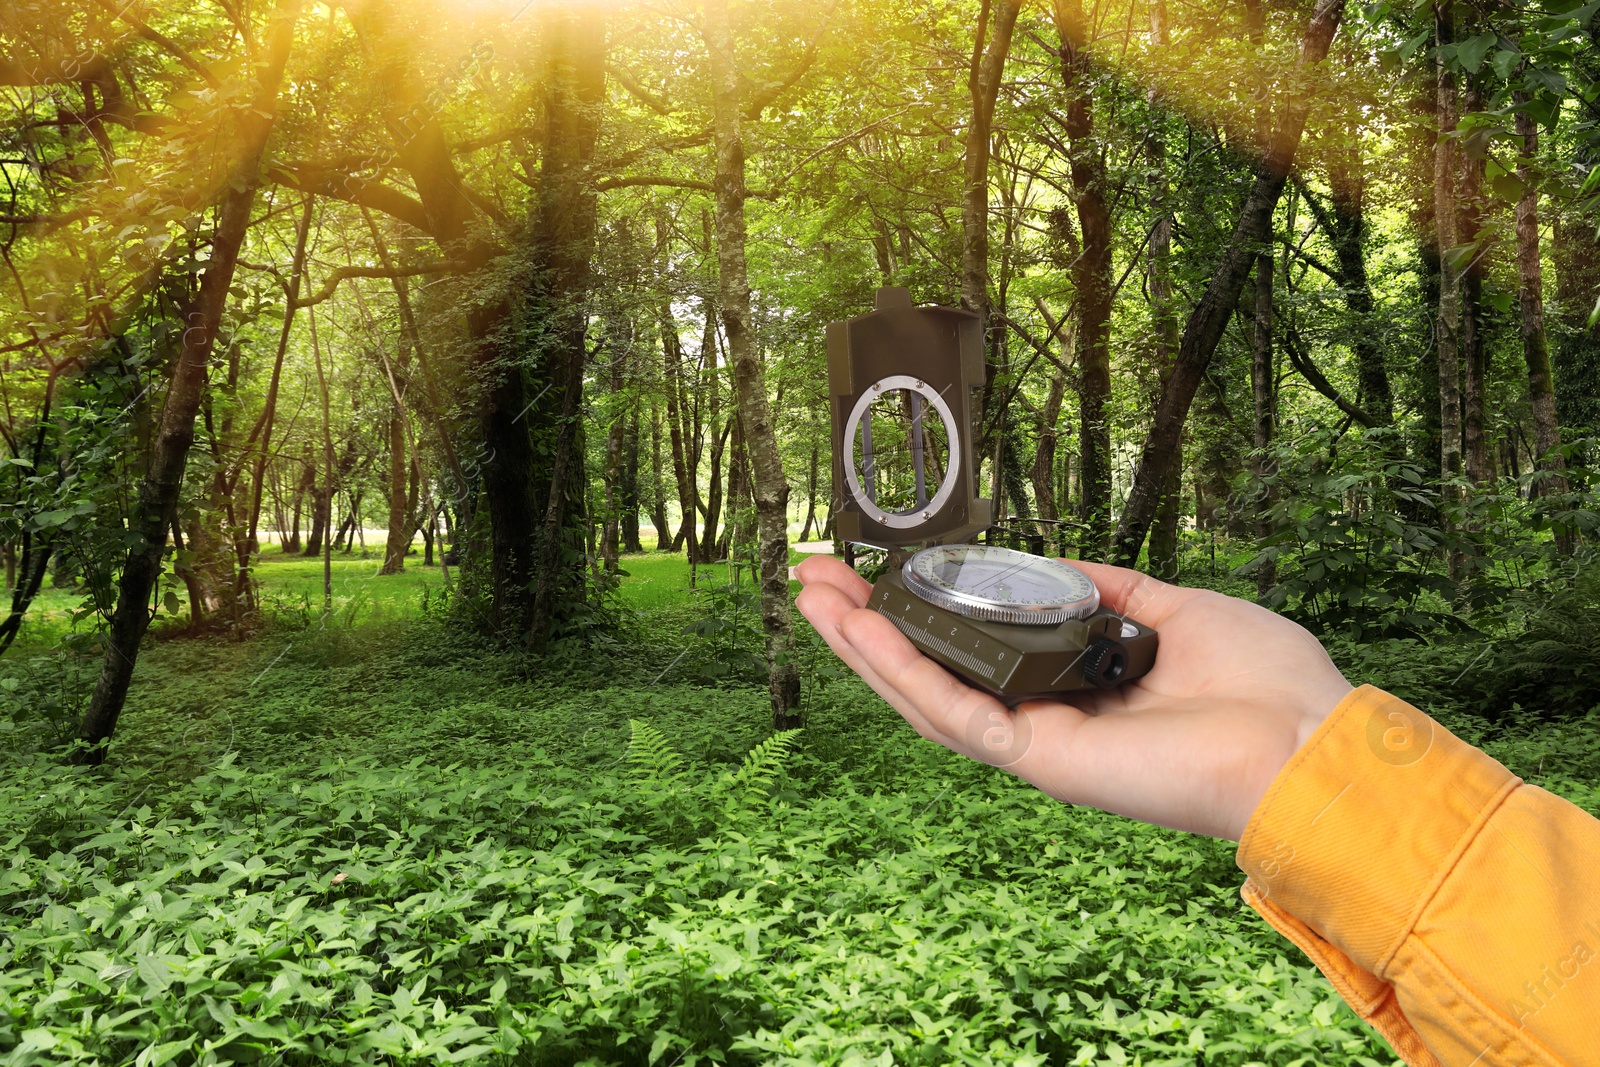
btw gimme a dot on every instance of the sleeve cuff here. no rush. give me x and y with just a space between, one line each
1363 824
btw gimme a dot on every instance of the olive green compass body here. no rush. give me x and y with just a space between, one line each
1014 624
1016 661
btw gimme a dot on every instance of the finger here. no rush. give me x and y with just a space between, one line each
824 606
1134 593
942 707
836 573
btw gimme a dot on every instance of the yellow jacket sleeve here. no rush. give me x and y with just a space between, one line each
1454 907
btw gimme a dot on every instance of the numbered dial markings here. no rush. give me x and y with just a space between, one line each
1001 584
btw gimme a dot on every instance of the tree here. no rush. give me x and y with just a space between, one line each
771 487
1206 322
169 451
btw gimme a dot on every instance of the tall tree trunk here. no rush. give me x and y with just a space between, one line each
157 505
658 489
35 549
1162 451
269 405
811 494
718 430
628 492
1576 358
1092 284
1044 453
685 477
1448 321
564 228
995 23
333 476
1348 182
1530 276
991 45
321 519
398 538
1263 395
755 414
1474 350
611 475
1163 555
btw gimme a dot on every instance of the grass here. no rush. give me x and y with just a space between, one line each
373 837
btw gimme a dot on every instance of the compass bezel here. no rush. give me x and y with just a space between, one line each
976 606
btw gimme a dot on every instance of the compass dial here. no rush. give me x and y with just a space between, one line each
1001 584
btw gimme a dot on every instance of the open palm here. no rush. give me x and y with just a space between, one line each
1235 690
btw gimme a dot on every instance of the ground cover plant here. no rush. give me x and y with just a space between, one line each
383 842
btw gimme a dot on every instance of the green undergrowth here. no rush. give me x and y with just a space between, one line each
378 840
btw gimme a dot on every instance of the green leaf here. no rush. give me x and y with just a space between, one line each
1460 256
1505 63
1550 80
1506 187
1471 52
1406 50
156 1055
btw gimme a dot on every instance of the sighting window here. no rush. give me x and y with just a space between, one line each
899 464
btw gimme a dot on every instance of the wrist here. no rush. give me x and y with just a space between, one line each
1305 715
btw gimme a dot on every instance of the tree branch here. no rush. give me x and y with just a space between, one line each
173 47
1308 370
650 100
1033 342
324 180
447 266
652 179
1333 274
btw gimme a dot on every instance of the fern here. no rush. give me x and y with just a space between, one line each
656 767
741 789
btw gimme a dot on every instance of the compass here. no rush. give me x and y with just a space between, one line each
906 385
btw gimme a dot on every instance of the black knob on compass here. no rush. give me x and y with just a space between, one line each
1104 663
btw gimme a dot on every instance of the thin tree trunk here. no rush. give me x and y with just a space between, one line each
1162 447
1348 183
685 478
327 464
1092 282
1448 323
35 554
811 494
1474 349
157 506
1535 346
1044 453
269 410
1163 555
658 489
1262 382
771 488
398 538
718 431
611 476
629 490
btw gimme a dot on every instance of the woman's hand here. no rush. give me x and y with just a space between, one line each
1193 744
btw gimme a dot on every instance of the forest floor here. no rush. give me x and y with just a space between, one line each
372 837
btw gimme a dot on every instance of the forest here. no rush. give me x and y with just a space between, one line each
413 414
